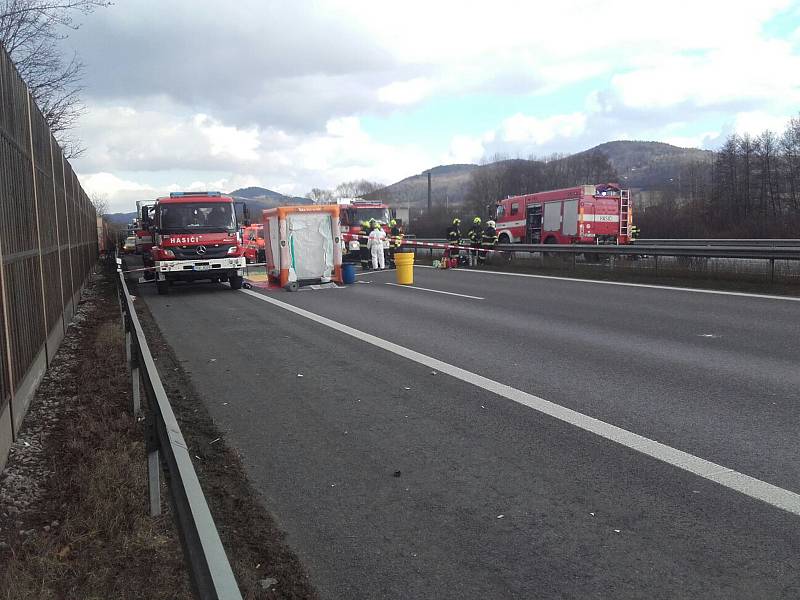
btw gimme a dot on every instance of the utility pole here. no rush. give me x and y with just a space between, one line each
429 191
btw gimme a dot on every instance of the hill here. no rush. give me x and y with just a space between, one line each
640 165
650 165
448 185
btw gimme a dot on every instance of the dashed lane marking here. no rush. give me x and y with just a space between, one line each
639 285
749 486
414 287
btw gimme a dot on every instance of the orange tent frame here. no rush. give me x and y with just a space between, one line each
278 267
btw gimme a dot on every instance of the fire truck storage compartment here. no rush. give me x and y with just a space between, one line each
552 216
533 227
569 225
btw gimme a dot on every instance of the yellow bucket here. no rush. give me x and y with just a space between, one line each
404 261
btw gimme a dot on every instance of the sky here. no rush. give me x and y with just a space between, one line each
291 95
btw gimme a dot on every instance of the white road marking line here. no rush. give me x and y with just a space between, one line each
414 287
360 273
641 285
749 486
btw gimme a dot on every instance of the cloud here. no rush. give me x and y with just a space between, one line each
197 152
405 92
533 130
186 92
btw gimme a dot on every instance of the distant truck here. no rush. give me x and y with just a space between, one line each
253 240
144 237
195 237
585 214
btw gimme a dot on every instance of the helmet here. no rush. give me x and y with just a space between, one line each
364 223
490 223
477 220
376 225
392 222
456 221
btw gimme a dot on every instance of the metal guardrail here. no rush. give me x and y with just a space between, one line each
209 570
764 242
763 252
753 252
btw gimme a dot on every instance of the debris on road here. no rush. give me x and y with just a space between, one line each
268 582
397 473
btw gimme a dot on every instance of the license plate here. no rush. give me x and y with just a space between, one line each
202 267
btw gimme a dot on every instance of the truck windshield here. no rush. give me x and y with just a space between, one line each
365 214
206 216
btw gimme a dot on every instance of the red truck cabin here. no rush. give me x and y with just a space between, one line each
586 214
351 213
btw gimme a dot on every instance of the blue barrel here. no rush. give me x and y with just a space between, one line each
348 272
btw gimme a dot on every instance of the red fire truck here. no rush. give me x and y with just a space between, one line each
144 238
585 214
351 213
195 237
253 240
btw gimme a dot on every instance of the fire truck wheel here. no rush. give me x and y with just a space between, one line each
162 287
235 281
504 239
149 275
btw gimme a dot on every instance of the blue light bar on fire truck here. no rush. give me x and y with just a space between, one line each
185 194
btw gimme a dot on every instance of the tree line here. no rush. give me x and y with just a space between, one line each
750 190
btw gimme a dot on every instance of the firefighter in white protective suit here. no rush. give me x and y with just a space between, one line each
375 245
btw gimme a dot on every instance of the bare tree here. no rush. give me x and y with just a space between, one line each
100 202
320 196
357 188
31 32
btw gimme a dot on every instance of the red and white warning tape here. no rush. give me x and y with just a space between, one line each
406 242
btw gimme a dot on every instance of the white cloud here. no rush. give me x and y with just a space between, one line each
405 92
529 129
465 149
199 153
284 92
756 122
226 141
692 141
727 75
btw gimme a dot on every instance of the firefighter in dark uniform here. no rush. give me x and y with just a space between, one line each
363 250
453 239
488 241
396 239
475 234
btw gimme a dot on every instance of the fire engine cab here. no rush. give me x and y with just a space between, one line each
351 213
586 214
196 236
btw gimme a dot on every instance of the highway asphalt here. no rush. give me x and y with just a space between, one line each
395 482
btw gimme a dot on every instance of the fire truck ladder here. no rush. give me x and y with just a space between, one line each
624 213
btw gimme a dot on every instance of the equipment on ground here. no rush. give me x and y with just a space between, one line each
585 214
303 245
195 237
404 262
